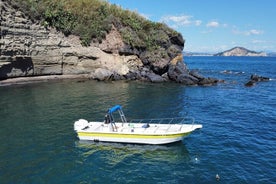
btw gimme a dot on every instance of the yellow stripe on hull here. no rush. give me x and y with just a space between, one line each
143 136
132 138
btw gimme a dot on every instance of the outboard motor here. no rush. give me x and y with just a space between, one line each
80 124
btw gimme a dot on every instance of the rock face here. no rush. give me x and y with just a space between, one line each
240 51
29 49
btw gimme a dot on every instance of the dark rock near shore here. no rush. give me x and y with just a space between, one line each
177 69
155 78
178 72
196 75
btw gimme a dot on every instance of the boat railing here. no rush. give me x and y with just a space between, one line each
177 120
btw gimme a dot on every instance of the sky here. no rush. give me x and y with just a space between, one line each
214 25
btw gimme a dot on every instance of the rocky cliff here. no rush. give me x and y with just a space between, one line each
240 51
30 49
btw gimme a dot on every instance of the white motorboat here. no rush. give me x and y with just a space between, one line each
140 131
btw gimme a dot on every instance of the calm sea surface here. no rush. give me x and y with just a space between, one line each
237 141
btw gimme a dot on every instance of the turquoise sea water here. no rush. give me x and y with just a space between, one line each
38 144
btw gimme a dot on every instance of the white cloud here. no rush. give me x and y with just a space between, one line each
225 25
198 22
248 32
212 24
258 41
182 20
254 32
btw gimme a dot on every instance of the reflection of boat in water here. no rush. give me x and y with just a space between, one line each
115 153
142 131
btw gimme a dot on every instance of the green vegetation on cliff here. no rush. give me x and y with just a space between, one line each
91 20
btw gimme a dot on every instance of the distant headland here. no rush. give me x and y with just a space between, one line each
236 51
240 51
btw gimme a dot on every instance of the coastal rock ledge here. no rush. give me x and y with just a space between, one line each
29 49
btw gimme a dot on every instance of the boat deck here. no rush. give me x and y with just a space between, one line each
138 128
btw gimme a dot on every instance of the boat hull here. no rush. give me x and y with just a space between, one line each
132 138
133 132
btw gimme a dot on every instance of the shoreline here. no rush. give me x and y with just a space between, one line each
44 78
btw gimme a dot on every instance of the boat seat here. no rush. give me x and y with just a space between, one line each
146 125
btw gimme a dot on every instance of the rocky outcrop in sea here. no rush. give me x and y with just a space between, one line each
256 78
29 49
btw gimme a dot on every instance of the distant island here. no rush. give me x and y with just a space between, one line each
236 51
240 51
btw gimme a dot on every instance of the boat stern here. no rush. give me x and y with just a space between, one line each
80 124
